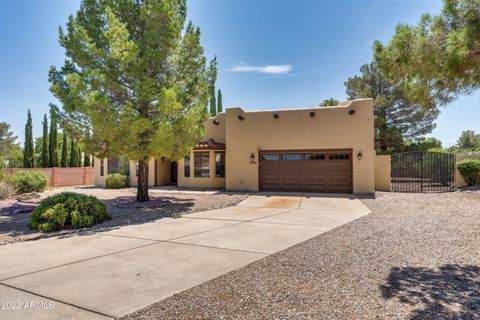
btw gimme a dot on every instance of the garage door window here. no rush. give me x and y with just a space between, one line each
289 157
314 157
339 157
270 157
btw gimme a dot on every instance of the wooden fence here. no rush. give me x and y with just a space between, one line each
64 177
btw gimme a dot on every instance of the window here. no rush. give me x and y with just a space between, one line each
112 166
339 157
186 166
314 157
270 157
219 164
202 164
119 165
102 167
137 168
289 157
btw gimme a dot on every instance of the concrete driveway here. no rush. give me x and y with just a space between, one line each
113 273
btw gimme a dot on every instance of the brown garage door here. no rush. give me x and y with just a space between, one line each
314 171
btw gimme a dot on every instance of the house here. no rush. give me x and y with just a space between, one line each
321 149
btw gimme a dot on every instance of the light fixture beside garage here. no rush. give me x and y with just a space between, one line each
359 155
216 122
241 117
351 112
252 158
312 114
276 116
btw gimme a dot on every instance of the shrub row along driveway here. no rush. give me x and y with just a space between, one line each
415 256
115 272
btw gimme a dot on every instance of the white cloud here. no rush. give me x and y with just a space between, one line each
266 69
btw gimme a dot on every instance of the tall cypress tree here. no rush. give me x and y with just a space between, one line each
73 154
219 101
213 104
86 159
212 78
28 151
52 143
45 142
63 161
79 157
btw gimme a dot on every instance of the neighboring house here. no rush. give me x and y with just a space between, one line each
321 149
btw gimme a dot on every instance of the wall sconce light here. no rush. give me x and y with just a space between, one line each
359 155
162 160
216 122
351 112
276 116
312 114
241 117
252 158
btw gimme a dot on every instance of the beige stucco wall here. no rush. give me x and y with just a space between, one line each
163 172
331 128
100 180
192 182
383 173
459 181
133 179
217 133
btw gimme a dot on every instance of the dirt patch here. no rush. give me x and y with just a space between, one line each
121 204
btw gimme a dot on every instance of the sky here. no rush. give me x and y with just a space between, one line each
271 54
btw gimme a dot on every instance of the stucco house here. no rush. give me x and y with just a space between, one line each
321 149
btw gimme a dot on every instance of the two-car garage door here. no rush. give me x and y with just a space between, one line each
310 171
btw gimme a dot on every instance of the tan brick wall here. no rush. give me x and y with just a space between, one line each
64 177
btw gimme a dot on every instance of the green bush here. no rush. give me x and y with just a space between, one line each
6 190
68 210
470 171
116 181
28 181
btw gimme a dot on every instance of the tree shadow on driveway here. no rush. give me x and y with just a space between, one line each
449 292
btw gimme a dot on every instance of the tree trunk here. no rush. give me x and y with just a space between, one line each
142 184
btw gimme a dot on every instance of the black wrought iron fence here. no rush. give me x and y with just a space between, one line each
421 171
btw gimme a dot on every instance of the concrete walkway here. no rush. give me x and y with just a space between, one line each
113 273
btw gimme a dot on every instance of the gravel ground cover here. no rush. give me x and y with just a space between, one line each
416 256
121 204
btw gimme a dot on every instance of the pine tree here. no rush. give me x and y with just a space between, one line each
52 143
63 161
118 71
437 60
45 151
396 119
219 101
28 151
73 154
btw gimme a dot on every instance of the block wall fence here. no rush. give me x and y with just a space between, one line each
63 177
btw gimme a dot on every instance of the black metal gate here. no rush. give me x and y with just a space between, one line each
421 171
